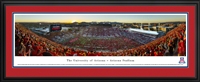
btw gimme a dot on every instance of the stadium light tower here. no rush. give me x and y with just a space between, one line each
149 26
39 25
157 28
158 24
141 26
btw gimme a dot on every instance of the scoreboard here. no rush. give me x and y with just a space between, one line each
55 28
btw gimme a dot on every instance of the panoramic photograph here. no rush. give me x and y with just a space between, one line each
99 35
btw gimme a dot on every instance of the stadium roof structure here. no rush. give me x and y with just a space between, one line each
146 25
144 31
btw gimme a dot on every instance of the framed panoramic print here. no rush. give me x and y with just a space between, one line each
100 40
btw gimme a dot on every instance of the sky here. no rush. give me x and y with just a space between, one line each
99 18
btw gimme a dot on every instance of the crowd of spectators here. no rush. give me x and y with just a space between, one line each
173 43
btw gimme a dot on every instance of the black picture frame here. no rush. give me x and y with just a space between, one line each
139 2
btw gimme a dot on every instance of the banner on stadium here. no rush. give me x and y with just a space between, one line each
55 28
